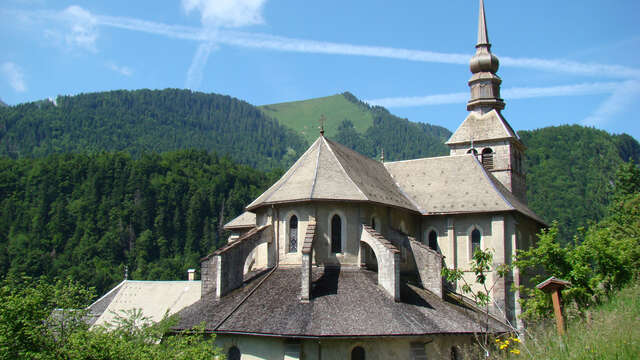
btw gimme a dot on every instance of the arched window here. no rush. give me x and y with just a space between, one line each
336 234
233 353
455 355
357 353
474 151
487 158
293 234
475 241
433 240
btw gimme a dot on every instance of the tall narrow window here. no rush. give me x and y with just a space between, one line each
475 241
455 355
357 353
293 234
373 223
233 353
336 234
487 158
433 240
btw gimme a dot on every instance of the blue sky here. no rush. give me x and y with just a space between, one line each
562 62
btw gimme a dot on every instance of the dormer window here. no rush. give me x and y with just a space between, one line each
487 158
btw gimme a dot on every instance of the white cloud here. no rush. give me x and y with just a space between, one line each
14 75
508 94
625 95
196 70
226 13
82 28
122 70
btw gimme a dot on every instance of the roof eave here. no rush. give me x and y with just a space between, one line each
308 200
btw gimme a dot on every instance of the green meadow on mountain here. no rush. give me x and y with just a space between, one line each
303 116
364 128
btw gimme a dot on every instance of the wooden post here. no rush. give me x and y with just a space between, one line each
557 311
554 285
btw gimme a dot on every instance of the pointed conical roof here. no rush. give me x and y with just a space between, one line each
329 171
484 84
482 127
483 36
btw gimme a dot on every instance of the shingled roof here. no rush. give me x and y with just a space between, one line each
341 306
488 126
330 171
245 220
454 184
154 298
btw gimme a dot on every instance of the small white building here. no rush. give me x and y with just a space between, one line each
341 258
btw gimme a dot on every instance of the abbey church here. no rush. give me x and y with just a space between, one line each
341 258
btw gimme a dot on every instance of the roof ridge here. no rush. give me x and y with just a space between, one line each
425 158
327 142
315 174
284 179
108 293
507 127
492 183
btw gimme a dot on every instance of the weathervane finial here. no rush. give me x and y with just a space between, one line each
322 121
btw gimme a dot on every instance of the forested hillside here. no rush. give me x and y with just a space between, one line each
86 216
570 170
367 129
145 121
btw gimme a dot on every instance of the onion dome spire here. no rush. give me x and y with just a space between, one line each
484 84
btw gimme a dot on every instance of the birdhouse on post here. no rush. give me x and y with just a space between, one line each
554 285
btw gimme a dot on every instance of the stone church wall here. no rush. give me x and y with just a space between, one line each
379 348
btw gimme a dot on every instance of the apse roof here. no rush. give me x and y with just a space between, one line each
330 171
340 306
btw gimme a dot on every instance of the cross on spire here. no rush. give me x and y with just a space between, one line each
322 121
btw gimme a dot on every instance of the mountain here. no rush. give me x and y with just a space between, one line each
570 172
145 121
570 168
3 104
367 129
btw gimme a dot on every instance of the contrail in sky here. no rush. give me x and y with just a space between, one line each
287 44
509 94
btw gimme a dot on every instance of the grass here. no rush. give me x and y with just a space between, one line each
302 116
611 332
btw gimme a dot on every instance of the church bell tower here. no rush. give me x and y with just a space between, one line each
485 133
